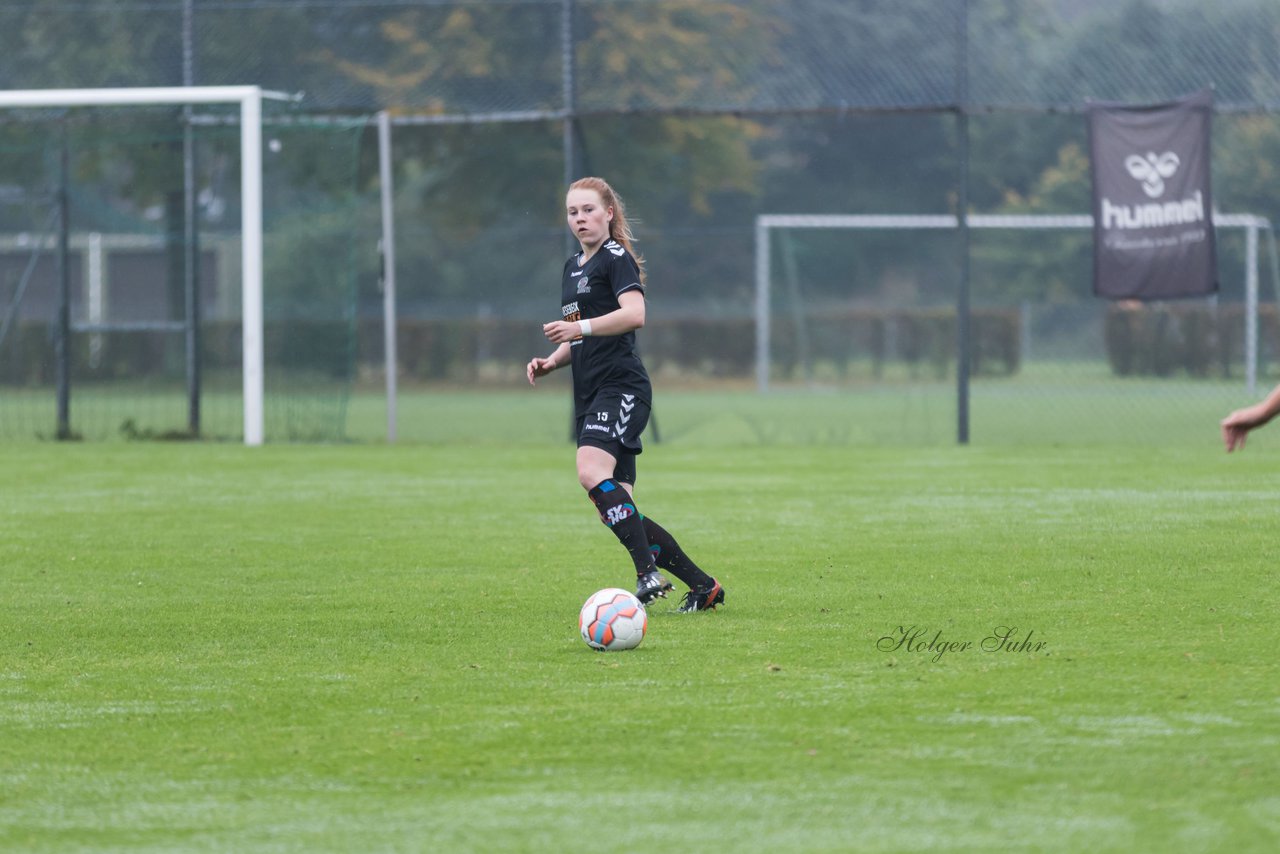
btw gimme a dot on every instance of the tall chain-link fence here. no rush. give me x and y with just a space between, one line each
708 115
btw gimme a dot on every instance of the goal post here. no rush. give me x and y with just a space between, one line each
249 99
767 223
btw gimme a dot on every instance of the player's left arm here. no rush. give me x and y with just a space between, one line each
627 317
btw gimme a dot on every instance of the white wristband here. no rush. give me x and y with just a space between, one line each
585 326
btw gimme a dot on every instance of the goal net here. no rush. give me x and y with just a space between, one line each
796 350
175 263
1043 354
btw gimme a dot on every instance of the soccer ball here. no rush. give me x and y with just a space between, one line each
613 619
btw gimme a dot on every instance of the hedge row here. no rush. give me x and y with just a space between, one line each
1195 340
924 340
27 354
477 349
1141 340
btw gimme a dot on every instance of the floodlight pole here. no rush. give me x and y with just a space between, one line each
568 93
191 228
962 292
388 268
63 346
962 222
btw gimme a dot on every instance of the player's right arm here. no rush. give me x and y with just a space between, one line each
540 367
1238 424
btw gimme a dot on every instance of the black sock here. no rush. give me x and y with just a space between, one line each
619 513
668 555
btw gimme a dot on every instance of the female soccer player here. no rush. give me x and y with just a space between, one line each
601 307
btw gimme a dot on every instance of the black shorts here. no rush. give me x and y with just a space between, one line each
613 422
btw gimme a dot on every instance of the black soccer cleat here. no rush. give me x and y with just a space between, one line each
651 585
702 598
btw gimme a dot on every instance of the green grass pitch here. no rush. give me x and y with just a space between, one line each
205 647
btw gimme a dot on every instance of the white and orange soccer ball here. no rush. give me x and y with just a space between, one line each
613 619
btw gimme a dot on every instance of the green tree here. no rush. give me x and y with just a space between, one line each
463 185
1050 266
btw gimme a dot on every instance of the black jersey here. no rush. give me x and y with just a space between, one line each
602 361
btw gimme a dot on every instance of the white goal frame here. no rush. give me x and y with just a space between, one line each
249 99
1251 223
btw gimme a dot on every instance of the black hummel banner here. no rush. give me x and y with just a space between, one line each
1152 226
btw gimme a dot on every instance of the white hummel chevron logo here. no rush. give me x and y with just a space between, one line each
1152 170
624 414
